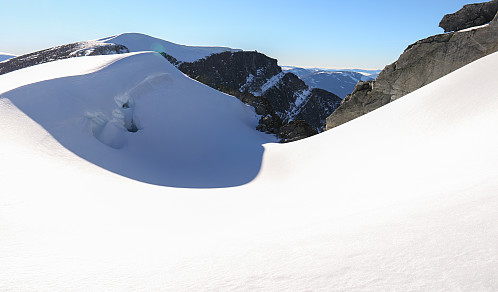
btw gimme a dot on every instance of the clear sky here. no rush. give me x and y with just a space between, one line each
311 33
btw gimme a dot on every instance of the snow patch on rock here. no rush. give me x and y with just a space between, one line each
269 84
302 98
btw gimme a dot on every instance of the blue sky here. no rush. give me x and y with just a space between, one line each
312 33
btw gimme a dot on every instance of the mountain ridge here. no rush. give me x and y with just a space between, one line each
278 96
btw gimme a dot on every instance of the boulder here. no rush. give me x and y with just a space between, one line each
469 16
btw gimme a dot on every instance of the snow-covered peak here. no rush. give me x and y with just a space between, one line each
137 42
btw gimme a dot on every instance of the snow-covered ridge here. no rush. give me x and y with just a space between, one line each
66 51
137 42
6 56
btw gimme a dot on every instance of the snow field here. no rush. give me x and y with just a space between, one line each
403 198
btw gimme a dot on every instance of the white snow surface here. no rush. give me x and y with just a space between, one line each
403 198
6 56
473 28
137 42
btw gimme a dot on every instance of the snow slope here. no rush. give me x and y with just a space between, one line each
137 42
163 103
409 204
5 56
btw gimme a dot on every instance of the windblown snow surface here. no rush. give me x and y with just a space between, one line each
404 198
5 56
137 42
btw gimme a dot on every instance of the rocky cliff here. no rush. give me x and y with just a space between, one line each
420 64
257 80
61 52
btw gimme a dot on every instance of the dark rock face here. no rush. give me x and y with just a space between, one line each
232 70
282 94
361 104
420 64
319 101
296 130
469 16
270 124
61 52
257 80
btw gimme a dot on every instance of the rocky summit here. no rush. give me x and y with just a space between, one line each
420 64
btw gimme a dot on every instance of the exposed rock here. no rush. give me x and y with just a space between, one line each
171 59
270 124
61 52
295 130
469 16
319 106
361 104
420 64
282 95
257 80
261 105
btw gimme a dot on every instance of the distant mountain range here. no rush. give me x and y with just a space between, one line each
341 82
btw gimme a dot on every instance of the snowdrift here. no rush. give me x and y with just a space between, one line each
148 120
403 198
137 42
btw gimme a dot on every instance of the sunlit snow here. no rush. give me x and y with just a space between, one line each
403 198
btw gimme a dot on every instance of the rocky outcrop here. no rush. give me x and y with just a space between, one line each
295 130
319 105
469 16
360 105
61 52
420 64
257 80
